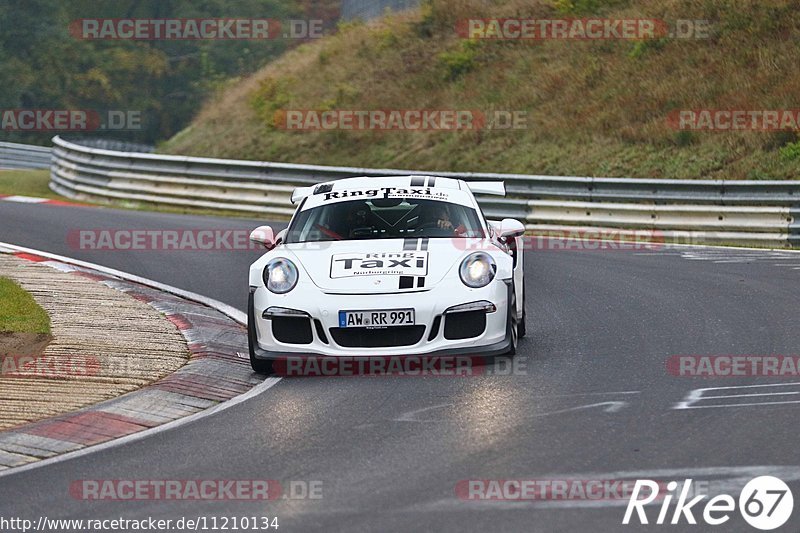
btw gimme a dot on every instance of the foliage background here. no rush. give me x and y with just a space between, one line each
43 66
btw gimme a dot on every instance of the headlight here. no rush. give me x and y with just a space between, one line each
280 275
477 270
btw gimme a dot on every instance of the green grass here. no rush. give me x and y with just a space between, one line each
19 312
26 183
595 108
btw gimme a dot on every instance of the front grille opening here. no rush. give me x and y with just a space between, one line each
291 330
320 331
435 328
464 325
377 338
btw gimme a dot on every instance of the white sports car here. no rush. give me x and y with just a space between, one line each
389 266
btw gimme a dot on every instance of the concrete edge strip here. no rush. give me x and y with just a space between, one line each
214 379
35 200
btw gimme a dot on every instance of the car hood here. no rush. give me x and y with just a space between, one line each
381 266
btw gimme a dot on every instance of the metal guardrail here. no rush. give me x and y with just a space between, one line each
370 9
23 156
112 144
761 213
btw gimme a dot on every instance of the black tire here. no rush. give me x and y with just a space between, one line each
512 324
260 366
521 330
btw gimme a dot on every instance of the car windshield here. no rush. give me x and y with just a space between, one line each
384 219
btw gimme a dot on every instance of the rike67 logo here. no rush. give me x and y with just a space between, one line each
765 503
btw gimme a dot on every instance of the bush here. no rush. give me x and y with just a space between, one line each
460 61
271 97
791 152
426 26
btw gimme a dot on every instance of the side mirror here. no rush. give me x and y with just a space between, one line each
509 228
281 236
264 236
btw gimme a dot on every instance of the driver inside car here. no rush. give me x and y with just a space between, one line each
438 216
358 220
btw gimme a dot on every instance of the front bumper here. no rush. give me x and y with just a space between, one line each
321 310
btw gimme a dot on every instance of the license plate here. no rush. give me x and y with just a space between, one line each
376 319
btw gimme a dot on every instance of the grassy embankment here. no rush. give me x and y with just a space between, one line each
596 108
24 325
19 312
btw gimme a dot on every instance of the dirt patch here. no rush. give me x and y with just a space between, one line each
23 343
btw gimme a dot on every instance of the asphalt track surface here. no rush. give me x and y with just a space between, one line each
591 399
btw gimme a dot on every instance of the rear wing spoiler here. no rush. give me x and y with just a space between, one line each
301 192
487 187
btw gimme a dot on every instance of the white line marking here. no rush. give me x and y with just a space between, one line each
736 387
752 404
696 395
748 395
612 407
232 312
411 416
587 394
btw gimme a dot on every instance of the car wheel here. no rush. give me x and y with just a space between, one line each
512 324
521 327
260 366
